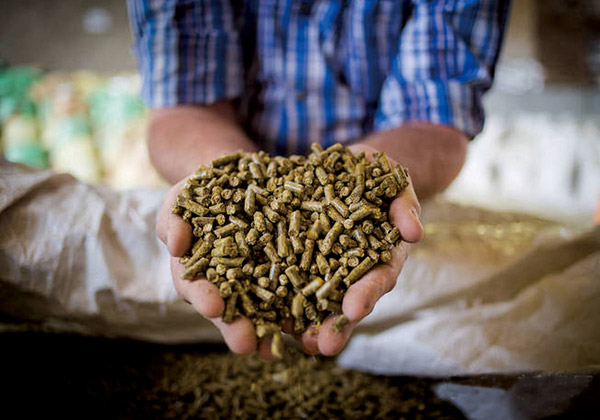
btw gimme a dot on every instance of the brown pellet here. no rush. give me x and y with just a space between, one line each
294 276
322 263
297 244
295 223
229 311
250 202
305 261
262 293
298 305
261 270
312 206
359 271
331 237
339 323
313 286
264 282
294 187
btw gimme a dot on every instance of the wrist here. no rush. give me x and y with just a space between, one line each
183 137
433 154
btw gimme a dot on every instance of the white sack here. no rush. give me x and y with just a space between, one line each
484 292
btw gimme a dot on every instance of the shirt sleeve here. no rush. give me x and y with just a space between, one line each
188 52
445 62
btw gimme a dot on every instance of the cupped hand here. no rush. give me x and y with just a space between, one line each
361 297
359 301
204 296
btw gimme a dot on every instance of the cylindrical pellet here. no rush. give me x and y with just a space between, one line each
364 266
329 305
334 215
331 237
322 263
196 269
294 276
271 252
261 270
339 323
225 290
242 245
234 273
340 207
306 259
322 175
313 286
263 282
295 223
283 244
297 244
312 206
393 236
271 214
247 305
227 262
226 230
229 311
294 187
262 293
329 193
311 312
315 230
225 159
331 284
250 202
259 222
298 305
385 256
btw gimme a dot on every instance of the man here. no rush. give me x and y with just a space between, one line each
403 77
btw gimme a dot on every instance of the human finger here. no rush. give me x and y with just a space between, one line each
200 293
405 212
171 229
361 297
331 342
238 335
310 340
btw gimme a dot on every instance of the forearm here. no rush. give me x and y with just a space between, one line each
433 154
183 137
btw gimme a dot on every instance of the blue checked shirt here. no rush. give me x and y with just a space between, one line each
321 71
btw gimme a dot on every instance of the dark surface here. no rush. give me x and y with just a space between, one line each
73 376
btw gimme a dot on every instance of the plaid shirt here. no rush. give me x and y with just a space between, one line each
321 70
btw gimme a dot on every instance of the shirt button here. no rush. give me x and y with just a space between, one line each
301 96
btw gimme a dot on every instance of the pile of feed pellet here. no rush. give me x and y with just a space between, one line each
285 237
298 387
89 377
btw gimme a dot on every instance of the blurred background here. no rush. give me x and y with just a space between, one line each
69 100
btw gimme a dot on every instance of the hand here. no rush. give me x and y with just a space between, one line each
204 296
361 297
359 301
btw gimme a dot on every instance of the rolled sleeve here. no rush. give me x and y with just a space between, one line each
188 52
445 63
